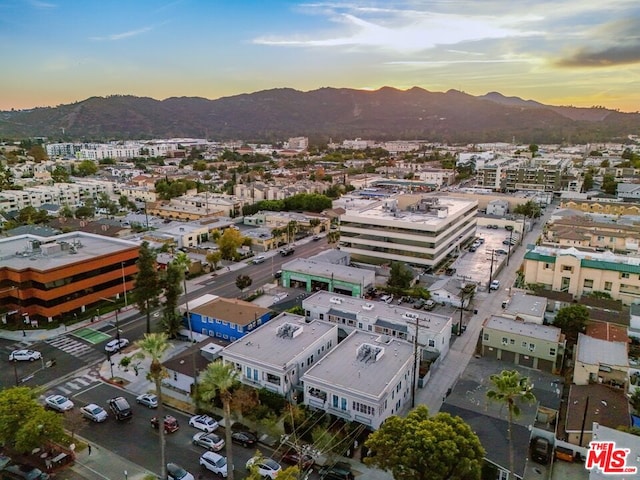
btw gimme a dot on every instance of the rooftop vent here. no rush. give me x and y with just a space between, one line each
336 300
410 316
369 353
288 330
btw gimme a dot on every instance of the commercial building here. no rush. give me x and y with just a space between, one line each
417 230
43 279
314 275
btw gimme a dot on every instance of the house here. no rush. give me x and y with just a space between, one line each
592 403
448 291
601 362
527 344
366 379
276 355
527 308
227 319
183 368
498 207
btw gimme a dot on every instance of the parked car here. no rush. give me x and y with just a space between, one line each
285 251
495 285
176 472
170 423
316 238
294 458
94 412
541 450
267 467
210 441
338 471
204 423
149 400
429 305
116 345
278 274
26 472
450 271
246 439
120 408
58 403
500 251
24 355
509 227
419 304
215 463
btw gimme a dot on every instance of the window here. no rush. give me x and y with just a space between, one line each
567 268
588 283
218 320
532 347
624 275
524 344
334 401
307 313
360 325
273 379
255 374
505 340
322 316
552 352
512 341
486 337
547 266
607 286
362 408
343 404
432 342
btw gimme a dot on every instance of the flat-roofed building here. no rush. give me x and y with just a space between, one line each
418 230
366 379
277 354
528 308
43 279
313 275
600 361
527 344
434 331
580 273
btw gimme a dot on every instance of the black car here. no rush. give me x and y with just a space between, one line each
339 471
246 439
120 408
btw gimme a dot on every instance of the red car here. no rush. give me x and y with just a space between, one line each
170 423
294 458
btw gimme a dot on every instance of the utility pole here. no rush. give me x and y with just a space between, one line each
509 253
491 269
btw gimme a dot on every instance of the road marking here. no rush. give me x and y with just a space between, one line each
87 389
91 335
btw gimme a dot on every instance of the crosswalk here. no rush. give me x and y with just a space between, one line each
85 379
76 348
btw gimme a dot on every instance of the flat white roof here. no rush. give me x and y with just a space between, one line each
533 330
347 368
329 270
594 351
527 304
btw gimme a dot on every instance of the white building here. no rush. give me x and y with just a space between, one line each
417 230
277 354
366 379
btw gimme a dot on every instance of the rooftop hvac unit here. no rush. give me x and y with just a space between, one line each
336 300
367 306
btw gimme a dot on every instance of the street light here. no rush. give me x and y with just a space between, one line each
117 322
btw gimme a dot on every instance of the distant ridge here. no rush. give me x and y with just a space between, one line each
337 113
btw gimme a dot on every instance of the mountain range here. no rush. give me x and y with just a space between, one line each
322 115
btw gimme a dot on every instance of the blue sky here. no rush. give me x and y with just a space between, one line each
571 52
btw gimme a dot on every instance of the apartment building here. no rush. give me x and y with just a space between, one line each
276 355
580 273
539 174
418 230
365 379
529 345
433 330
580 231
59 194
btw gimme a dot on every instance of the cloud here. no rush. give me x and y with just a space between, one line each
123 35
608 57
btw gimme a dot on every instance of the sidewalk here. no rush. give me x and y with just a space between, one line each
89 466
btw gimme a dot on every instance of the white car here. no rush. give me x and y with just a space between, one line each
215 463
495 285
258 259
116 345
267 467
58 403
23 355
94 412
149 400
176 472
204 423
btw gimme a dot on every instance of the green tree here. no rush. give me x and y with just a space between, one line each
60 175
146 287
85 211
213 259
572 320
229 242
219 379
533 148
86 168
530 209
609 184
171 283
511 389
184 262
6 178
400 276
154 346
420 447
587 183
243 282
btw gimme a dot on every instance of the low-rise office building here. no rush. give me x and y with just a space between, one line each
418 230
276 355
320 275
366 379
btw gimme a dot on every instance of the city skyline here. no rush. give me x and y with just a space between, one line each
580 53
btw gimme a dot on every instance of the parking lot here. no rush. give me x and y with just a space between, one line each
475 264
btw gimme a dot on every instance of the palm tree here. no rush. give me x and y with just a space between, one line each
510 389
220 378
154 345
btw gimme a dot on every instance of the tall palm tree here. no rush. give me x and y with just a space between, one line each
154 345
511 389
219 379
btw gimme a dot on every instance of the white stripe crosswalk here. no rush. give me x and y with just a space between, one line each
76 348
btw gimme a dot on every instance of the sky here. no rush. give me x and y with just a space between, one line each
562 52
